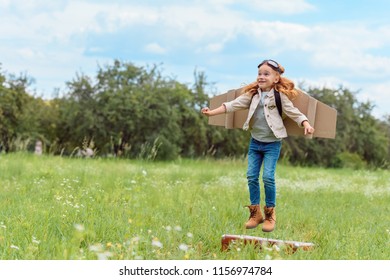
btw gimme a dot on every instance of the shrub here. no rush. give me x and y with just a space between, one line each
350 160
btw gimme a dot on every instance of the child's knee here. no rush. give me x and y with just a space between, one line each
268 179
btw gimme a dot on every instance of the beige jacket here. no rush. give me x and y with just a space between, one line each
274 121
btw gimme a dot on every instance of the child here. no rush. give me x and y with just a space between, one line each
267 130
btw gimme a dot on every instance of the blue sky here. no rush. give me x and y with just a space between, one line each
321 43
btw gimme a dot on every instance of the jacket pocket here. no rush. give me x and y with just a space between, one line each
271 107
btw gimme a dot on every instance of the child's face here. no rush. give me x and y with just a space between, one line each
267 77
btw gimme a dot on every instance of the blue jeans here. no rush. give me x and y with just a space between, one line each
267 154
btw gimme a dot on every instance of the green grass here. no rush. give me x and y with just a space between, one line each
67 208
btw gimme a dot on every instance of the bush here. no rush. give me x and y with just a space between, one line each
350 160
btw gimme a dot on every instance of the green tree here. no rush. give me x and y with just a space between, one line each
15 122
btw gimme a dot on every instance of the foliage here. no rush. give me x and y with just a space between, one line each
349 160
136 112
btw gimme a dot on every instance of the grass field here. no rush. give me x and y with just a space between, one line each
66 208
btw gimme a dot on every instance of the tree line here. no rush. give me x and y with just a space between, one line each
137 112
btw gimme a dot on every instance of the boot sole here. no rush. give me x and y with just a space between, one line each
254 226
250 227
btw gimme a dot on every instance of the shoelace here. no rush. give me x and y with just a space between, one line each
253 212
268 216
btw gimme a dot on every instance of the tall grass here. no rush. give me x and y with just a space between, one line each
68 208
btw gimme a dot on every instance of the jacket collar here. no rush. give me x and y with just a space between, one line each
270 93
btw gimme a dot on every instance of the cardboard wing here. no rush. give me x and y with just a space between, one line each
321 116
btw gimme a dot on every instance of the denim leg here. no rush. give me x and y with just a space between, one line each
255 158
271 155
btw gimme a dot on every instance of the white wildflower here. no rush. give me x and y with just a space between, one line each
168 228
104 256
14 247
34 240
276 248
268 257
96 248
79 227
157 243
144 172
135 239
178 228
190 235
183 247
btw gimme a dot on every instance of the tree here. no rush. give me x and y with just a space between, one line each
14 120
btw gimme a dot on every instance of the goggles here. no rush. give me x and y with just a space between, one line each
274 65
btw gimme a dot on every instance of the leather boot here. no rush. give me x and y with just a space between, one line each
270 219
255 217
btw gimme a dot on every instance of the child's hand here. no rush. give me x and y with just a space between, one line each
206 111
308 128
220 110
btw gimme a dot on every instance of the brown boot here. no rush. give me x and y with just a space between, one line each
270 219
255 217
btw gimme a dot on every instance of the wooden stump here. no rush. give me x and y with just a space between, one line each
260 241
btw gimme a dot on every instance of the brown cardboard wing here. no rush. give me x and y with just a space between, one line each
215 102
321 116
232 120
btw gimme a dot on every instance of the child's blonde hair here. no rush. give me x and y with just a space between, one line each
284 85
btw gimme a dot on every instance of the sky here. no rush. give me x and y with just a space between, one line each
320 43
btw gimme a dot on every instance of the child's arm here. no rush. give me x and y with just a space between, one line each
240 103
293 113
217 111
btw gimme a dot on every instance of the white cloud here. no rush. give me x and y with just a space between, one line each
323 82
4 3
282 6
49 26
197 24
273 7
279 35
30 54
358 63
155 48
32 7
214 47
192 21
379 95
347 48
